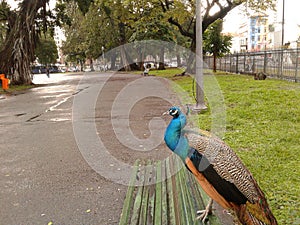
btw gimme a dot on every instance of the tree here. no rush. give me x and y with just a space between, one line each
46 50
18 51
62 5
182 14
74 47
120 18
25 25
24 28
106 24
150 24
214 42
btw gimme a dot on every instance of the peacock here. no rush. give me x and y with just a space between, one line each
220 172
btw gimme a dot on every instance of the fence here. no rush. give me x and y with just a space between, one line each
282 64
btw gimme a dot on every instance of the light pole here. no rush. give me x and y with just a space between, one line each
104 66
282 31
200 104
282 39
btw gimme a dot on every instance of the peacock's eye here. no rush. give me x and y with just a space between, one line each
173 112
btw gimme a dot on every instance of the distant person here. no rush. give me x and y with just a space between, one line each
48 72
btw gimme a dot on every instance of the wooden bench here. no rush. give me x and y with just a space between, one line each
162 193
146 72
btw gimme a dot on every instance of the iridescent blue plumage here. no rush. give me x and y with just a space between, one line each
174 137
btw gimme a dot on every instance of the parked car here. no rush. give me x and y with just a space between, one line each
62 70
72 69
43 70
35 70
88 69
54 69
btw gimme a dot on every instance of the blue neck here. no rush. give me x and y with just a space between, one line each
174 137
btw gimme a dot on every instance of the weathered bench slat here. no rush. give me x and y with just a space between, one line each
175 196
170 194
138 200
185 214
187 192
164 194
145 196
129 196
151 202
158 194
191 197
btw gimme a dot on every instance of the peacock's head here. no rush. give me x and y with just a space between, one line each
173 111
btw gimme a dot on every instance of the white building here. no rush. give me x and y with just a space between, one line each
59 38
264 32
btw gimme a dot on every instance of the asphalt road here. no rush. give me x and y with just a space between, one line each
67 147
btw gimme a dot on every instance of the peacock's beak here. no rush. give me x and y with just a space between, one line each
165 113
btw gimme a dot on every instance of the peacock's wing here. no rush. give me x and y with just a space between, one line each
236 180
226 163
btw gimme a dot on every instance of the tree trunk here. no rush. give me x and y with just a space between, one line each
178 58
215 62
123 54
18 51
191 61
81 62
161 65
92 64
113 58
124 59
141 59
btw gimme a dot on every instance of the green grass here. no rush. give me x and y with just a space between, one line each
263 127
15 88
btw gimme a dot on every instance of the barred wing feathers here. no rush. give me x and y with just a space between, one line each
229 167
226 163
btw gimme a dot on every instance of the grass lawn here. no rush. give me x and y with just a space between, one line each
263 127
15 88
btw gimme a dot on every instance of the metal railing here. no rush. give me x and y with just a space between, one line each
282 64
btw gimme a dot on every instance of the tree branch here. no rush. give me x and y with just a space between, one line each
181 30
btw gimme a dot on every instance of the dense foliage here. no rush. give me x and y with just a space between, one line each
46 51
104 23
